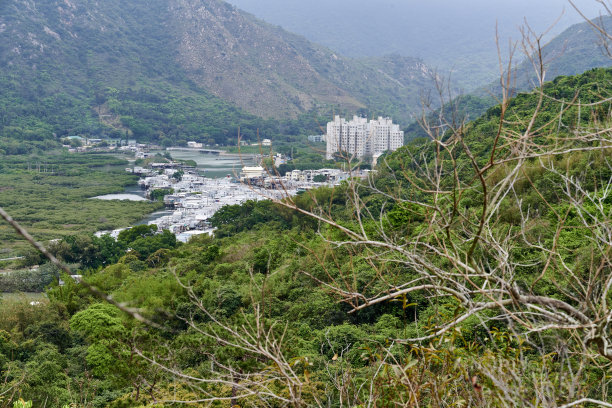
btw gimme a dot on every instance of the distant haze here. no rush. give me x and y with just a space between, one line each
457 34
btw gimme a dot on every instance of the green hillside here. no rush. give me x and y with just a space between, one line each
192 70
103 73
473 271
577 49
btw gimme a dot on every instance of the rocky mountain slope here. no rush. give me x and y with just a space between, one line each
273 73
164 69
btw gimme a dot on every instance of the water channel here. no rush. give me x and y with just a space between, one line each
212 165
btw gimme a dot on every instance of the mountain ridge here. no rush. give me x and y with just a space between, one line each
576 50
193 69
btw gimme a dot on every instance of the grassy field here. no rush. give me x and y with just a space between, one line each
49 195
21 297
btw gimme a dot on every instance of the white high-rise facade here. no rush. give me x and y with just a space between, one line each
360 138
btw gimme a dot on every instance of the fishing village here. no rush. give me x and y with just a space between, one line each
191 198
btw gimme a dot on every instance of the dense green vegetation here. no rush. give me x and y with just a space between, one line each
574 51
147 110
158 195
283 308
308 158
454 113
35 280
49 194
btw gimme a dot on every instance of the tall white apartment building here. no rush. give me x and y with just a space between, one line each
360 138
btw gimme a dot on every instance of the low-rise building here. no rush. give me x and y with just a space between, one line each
316 138
279 160
142 155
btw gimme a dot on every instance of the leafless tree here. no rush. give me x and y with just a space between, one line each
468 255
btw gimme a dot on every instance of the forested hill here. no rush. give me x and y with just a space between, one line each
183 69
574 51
271 72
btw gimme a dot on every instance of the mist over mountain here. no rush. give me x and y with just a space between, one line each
457 36
577 49
574 51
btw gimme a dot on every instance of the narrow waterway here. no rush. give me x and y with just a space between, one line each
212 165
